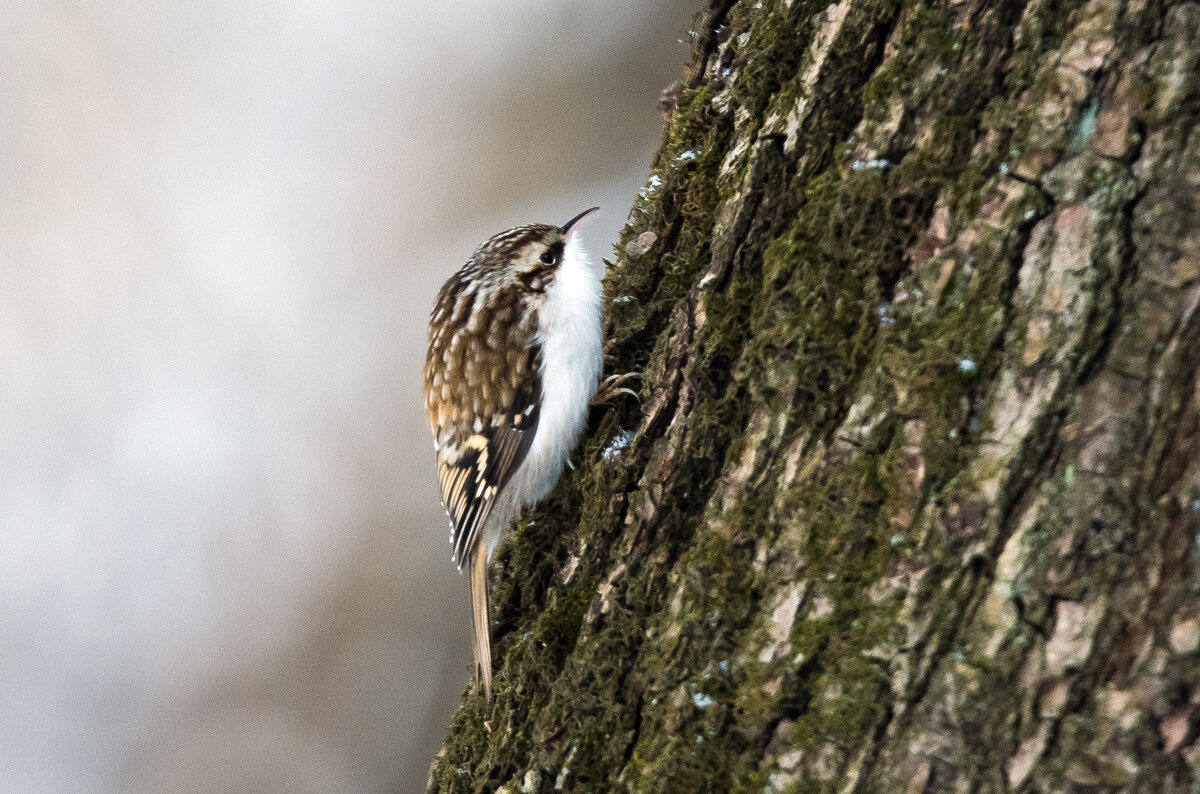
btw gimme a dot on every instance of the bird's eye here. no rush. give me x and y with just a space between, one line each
547 258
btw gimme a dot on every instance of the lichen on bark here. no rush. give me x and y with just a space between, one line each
911 498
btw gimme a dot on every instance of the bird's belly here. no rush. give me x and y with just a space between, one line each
572 368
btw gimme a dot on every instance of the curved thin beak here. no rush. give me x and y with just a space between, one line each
571 224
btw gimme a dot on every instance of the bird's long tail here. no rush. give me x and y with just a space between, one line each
479 617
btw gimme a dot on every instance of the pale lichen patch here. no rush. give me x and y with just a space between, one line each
779 625
1075 625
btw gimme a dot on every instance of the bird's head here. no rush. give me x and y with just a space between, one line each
528 255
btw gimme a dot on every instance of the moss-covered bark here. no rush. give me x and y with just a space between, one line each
911 499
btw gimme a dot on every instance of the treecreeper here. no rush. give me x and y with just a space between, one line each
515 355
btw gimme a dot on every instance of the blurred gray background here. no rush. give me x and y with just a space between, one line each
223 564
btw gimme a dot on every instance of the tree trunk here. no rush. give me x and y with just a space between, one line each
911 499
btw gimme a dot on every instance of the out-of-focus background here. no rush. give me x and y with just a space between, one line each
223 564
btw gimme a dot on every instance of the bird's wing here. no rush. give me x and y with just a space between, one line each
473 470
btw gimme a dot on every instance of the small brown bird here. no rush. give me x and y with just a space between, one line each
515 353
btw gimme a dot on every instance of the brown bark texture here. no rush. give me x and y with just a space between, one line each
910 501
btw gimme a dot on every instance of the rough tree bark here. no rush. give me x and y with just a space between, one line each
911 499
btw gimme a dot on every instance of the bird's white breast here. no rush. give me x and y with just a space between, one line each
572 356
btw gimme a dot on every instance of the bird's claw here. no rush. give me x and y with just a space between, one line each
613 386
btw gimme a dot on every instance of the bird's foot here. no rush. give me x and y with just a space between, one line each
614 386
